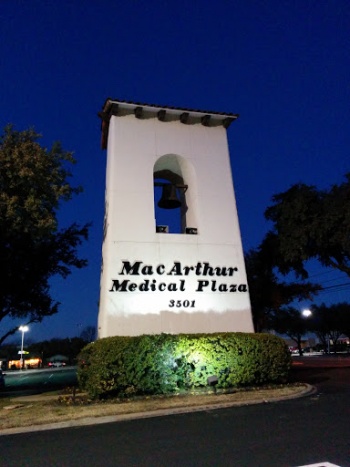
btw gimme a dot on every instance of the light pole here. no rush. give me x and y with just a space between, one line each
328 344
306 313
23 329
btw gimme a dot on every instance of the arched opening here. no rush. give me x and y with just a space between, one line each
171 208
169 202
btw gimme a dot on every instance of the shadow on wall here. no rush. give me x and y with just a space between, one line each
180 323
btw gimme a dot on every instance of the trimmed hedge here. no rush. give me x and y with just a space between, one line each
164 363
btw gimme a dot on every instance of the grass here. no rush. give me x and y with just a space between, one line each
59 407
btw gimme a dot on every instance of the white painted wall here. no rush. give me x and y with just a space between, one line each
201 154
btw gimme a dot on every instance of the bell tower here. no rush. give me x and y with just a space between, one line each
172 258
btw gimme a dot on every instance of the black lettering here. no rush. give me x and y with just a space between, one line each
119 286
187 269
175 270
128 269
144 287
242 288
233 288
147 271
201 285
225 271
208 270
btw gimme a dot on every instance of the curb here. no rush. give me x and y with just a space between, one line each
309 390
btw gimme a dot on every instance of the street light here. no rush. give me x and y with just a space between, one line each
306 313
23 329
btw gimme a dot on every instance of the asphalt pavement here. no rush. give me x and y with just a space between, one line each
38 380
308 430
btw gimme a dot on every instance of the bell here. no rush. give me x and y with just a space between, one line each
169 199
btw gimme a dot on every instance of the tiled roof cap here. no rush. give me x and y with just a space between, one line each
120 108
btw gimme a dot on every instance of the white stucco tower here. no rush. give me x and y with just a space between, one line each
177 268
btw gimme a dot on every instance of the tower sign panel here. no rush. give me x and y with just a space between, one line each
172 258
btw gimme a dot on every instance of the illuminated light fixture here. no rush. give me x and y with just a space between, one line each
162 229
213 381
191 230
306 313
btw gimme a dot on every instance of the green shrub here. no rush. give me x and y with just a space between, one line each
165 363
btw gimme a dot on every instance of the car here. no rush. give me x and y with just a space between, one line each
56 364
2 380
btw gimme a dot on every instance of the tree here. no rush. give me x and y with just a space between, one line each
267 292
88 334
330 322
33 184
69 347
310 223
289 321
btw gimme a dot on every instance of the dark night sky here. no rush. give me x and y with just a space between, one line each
282 65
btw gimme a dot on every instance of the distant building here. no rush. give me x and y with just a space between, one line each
28 362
